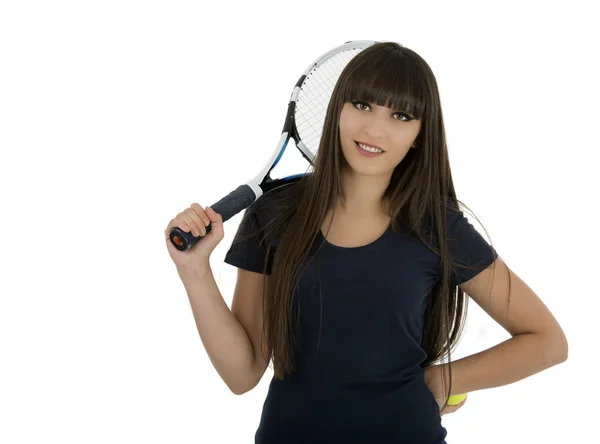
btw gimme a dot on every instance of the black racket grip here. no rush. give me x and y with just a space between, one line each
236 201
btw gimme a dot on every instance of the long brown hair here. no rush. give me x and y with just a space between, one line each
420 190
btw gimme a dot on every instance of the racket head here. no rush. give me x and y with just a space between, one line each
312 95
304 123
306 111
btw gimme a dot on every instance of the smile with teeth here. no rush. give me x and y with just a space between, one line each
369 149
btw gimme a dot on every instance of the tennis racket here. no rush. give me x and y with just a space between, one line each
303 123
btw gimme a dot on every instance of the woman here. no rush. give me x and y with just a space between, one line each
354 279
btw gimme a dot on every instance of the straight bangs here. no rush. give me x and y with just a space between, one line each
387 79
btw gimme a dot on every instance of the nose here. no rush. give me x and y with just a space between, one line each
375 127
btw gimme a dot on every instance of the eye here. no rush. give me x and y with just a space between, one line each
357 104
408 118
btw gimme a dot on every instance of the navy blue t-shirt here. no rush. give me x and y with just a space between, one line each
358 375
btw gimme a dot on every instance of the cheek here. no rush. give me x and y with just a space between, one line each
343 126
347 128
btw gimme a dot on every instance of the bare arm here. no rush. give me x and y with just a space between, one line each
226 341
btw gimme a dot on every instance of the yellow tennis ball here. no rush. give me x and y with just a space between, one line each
456 399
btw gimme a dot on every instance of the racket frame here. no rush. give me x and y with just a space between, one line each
244 195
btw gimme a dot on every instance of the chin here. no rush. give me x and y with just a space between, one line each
364 165
365 170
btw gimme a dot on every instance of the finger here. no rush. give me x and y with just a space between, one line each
215 218
452 409
191 223
197 224
176 223
181 221
201 213
187 224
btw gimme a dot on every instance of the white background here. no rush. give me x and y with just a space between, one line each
117 115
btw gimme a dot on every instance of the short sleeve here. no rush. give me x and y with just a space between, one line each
246 250
467 247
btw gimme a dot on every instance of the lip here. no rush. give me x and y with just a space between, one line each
369 144
366 153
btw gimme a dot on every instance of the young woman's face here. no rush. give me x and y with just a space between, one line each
391 130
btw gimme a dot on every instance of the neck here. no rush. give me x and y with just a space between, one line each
364 194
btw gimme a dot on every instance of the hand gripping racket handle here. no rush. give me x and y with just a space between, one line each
229 206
